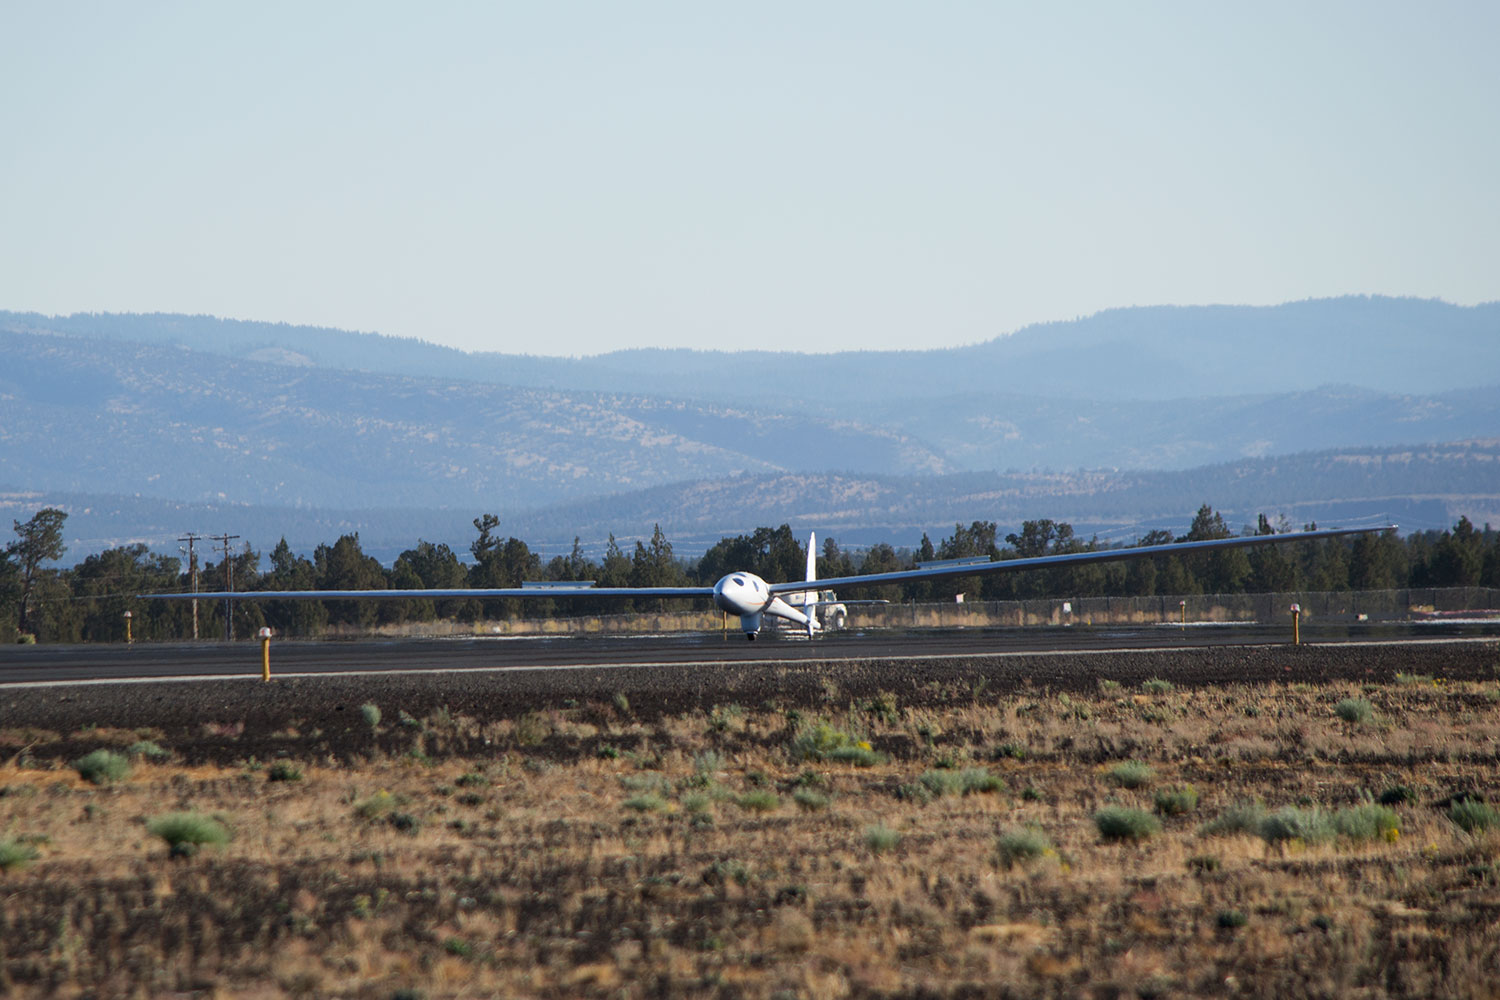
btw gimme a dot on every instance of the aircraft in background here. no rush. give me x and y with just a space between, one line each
751 599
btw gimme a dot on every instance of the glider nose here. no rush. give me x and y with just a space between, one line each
740 594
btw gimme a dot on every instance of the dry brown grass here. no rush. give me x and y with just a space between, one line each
521 875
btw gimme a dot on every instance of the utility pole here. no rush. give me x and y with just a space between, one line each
225 539
190 538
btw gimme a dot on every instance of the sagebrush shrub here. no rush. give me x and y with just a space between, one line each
1368 821
1473 816
1022 847
284 771
809 800
760 800
14 854
1176 801
1242 817
1311 826
880 838
148 750
1356 710
102 767
1121 823
185 832
1132 774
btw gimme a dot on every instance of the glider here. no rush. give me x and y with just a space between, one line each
751 598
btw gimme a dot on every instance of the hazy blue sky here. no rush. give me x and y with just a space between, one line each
566 178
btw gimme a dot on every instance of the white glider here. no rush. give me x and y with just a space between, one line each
750 598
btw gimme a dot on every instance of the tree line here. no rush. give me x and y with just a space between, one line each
88 601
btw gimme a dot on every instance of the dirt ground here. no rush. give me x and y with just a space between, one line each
1296 822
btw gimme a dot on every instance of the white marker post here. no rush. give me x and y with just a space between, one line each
265 654
1296 624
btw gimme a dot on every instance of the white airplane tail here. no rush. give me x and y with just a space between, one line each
810 598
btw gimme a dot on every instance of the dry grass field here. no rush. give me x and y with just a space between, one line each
1140 841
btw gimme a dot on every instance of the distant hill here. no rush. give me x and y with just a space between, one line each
85 414
1389 345
88 415
1420 488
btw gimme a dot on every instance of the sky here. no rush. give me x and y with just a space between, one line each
574 177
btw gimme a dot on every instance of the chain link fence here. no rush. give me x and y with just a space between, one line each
1366 605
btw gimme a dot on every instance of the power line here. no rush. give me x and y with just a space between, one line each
190 538
225 539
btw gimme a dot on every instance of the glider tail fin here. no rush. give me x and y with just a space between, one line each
810 599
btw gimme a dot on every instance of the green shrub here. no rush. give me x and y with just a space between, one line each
1176 801
880 838
458 947
859 755
884 707
978 781
145 749
405 822
760 800
809 800
1121 823
914 791
708 762
1132 774
284 771
531 729
1230 919
647 802
1242 817
1156 685
823 742
1368 821
1473 815
1356 710
1398 795
941 783
370 712
697 802
102 767
1309 825
1414 680
1022 847
376 805
471 779
1202 864
185 832
16 854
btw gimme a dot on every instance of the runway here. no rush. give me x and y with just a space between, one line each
143 661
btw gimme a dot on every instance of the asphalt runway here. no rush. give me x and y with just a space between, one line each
84 663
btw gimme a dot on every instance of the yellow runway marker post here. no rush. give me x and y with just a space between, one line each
265 654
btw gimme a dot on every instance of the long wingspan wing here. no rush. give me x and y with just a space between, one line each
1070 559
407 595
900 576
